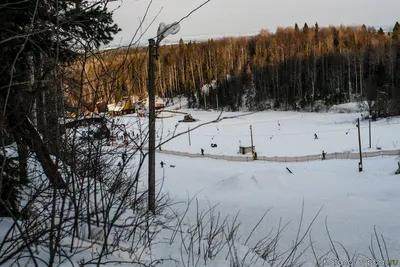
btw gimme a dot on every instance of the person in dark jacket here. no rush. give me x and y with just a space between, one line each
323 155
202 152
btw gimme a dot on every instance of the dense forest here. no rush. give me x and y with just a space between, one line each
290 69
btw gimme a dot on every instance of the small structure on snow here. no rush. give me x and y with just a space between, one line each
100 107
159 105
188 118
246 149
121 108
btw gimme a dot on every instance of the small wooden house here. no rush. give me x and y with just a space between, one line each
121 108
246 149
101 107
87 106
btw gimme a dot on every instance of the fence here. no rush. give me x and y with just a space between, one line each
345 155
336 155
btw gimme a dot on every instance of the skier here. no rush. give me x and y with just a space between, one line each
323 155
202 152
315 136
162 164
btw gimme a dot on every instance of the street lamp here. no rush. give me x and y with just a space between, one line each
370 117
162 32
360 166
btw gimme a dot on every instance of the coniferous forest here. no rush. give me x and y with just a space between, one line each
290 69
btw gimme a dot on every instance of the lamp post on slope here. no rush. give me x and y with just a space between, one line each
360 166
369 123
162 32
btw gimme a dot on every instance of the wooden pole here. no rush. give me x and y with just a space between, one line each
369 131
189 136
251 134
216 96
152 129
360 167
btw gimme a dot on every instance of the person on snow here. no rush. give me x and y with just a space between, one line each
255 155
202 152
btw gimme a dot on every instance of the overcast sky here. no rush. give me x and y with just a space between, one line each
246 17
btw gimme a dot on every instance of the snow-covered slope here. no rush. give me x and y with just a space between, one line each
275 133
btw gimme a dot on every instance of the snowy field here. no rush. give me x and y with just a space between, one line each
350 205
353 203
275 133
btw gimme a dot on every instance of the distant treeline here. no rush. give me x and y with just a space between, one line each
289 69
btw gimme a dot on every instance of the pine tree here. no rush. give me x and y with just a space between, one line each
396 31
305 29
364 28
296 28
316 31
380 31
32 32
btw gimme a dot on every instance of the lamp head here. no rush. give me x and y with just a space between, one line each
165 30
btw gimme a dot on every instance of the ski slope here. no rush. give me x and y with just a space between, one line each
350 205
353 203
274 133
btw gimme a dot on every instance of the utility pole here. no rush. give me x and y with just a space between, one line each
360 167
162 32
189 136
251 134
152 128
369 131
216 97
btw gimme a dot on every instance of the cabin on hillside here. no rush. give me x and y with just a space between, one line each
159 104
70 111
123 107
87 107
101 107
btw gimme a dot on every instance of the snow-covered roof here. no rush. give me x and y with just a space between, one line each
117 107
111 107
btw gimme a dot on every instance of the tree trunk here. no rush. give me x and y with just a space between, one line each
24 130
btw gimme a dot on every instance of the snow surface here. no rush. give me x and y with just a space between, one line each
274 133
352 202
